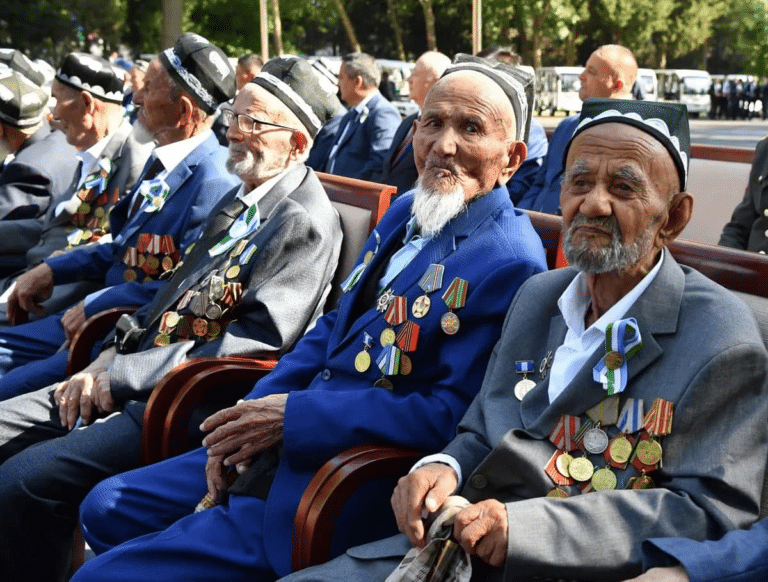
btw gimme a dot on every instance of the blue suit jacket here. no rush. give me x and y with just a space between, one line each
361 151
544 194
332 406
399 171
196 185
525 176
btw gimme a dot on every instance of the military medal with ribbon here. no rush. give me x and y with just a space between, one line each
407 340
389 364
349 283
621 446
363 358
432 280
657 422
243 226
155 192
622 341
454 297
395 314
558 467
525 385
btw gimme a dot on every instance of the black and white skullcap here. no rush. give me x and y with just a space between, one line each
19 62
667 122
513 81
291 80
95 75
201 69
22 103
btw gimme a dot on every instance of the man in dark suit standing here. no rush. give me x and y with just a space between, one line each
255 280
399 167
367 129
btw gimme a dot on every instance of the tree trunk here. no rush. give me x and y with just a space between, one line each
278 27
429 22
392 11
342 12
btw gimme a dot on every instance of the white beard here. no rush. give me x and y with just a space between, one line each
434 209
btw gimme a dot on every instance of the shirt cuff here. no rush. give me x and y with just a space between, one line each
440 458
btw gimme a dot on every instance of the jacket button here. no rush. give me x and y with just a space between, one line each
765 212
326 375
478 481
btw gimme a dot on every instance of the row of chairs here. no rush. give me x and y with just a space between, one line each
360 205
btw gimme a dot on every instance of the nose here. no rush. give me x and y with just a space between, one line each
597 202
445 142
233 131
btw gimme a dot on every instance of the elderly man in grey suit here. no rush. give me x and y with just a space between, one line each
88 92
641 406
254 281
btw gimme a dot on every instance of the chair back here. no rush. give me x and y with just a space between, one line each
360 205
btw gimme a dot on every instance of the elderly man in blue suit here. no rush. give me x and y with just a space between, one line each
366 131
398 362
152 227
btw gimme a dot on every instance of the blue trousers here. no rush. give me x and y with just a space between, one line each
148 512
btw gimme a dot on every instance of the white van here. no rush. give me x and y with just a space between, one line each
648 81
687 86
557 89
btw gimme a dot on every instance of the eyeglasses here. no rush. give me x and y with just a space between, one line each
246 123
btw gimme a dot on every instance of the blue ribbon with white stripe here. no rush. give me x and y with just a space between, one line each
622 337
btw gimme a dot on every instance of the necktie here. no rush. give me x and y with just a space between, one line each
403 146
154 169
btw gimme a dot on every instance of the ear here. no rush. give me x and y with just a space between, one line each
516 156
300 142
186 110
88 102
680 210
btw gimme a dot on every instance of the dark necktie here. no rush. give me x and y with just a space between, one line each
348 118
154 169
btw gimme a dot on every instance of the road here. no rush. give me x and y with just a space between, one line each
743 134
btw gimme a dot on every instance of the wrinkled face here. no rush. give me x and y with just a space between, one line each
615 198
158 112
596 78
258 156
465 136
419 83
70 114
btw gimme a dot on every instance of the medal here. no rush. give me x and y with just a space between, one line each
233 272
408 337
84 208
622 341
363 359
406 366
389 361
551 469
368 257
432 280
562 462
129 275
649 452
421 306
544 365
449 323
525 385
562 435
387 337
619 451
213 311
454 297
642 482
214 329
200 327
197 305
581 469
162 340
238 249
216 288
384 383
603 480
167 264
631 417
382 303
595 440
558 493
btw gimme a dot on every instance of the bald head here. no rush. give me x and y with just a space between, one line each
610 72
428 69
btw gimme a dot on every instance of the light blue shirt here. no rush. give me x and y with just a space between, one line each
413 242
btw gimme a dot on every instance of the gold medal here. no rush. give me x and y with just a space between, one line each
84 208
167 263
140 260
147 279
384 383
406 366
642 482
153 262
613 360
603 480
99 212
562 463
581 469
620 449
130 275
162 340
87 234
200 327
558 493
214 329
172 319
233 272
649 452
523 387
368 257
421 306
362 361
449 323
387 337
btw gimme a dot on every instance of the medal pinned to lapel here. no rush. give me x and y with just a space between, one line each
97 181
525 385
155 192
622 341
349 283
455 297
363 358
244 225
432 280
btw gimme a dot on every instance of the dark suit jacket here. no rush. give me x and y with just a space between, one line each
324 140
361 151
43 170
749 223
399 171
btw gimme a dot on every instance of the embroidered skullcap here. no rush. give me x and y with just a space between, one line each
95 75
516 83
22 103
291 80
202 69
667 122
18 61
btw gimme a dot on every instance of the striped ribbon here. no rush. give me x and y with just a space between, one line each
244 225
389 360
349 283
630 419
658 421
456 295
563 435
614 381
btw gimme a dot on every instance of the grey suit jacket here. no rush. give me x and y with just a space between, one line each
284 285
701 350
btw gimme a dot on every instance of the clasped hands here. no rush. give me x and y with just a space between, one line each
481 528
86 392
238 433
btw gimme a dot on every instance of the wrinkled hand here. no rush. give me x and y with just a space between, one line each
245 429
80 395
482 529
32 288
73 320
667 574
427 487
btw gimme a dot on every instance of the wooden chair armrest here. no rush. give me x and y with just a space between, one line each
95 328
173 400
331 488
